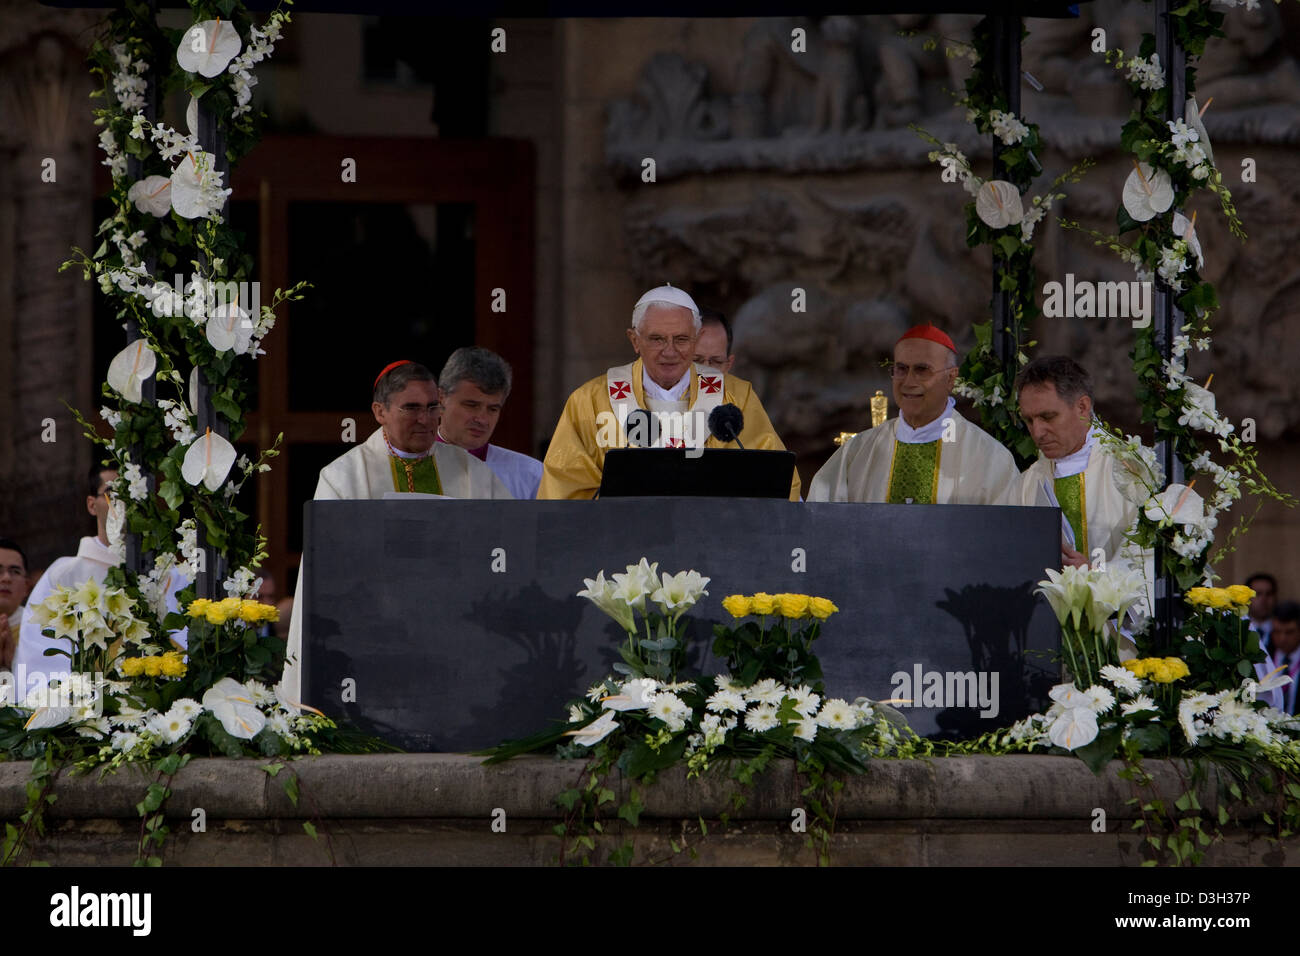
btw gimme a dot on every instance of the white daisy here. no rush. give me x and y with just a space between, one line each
1123 679
724 701
762 718
765 692
837 714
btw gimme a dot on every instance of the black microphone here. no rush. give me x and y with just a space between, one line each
726 423
640 429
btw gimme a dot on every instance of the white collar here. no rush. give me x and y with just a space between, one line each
1077 462
409 455
674 394
95 550
927 433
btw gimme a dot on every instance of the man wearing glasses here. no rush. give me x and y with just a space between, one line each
403 453
929 454
678 394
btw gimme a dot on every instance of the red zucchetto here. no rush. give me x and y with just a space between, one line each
927 331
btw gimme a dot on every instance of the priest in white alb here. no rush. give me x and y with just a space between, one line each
402 455
928 454
662 381
1074 470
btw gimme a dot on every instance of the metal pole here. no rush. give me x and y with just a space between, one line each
135 559
1004 32
1168 320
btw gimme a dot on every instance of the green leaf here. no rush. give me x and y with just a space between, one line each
1098 753
311 830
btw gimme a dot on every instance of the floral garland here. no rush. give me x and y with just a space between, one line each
127 693
998 217
1173 160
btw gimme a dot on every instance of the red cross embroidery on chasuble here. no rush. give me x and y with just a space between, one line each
620 390
674 443
710 384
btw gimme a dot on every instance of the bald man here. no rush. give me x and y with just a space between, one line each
929 454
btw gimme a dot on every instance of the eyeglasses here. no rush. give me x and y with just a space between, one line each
660 342
412 410
923 372
712 361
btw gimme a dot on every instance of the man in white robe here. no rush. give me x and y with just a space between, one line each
928 454
94 557
401 455
474 385
1074 470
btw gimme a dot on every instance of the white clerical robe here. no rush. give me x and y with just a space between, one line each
92 561
366 472
1109 516
521 474
974 468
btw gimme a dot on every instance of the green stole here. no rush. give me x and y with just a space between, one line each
415 474
1074 505
914 473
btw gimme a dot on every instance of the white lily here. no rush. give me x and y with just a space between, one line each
679 592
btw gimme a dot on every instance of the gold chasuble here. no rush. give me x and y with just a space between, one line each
594 420
1074 505
914 473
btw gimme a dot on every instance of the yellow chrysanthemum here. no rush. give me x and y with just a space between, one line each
173 666
1169 669
821 608
152 666
198 607
1198 596
216 614
793 606
762 603
132 666
1240 594
737 605
249 611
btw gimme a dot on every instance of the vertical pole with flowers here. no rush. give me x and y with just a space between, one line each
174 396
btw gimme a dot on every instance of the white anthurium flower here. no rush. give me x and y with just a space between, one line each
594 732
1192 117
230 703
998 204
679 592
1179 504
1068 696
153 195
130 368
635 694
208 461
1147 192
1075 728
1185 229
602 594
192 117
229 328
208 46
1273 680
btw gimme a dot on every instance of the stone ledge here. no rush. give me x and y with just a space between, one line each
457 786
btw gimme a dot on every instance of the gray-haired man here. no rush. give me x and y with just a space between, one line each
474 385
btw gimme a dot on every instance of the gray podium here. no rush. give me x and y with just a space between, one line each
455 624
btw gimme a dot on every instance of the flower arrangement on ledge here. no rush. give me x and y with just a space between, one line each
771 703
1205 695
